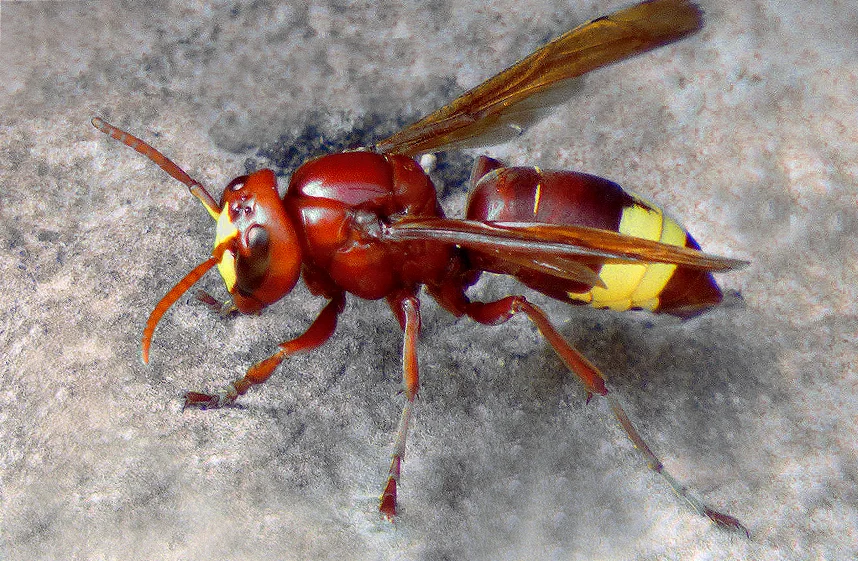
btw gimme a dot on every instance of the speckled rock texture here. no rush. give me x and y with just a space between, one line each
745 132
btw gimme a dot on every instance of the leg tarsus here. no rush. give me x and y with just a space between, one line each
722 520
726 521
217 400
387 505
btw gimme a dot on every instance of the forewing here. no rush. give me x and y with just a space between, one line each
519 95
563 247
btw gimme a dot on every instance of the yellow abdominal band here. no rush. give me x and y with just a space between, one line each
634 285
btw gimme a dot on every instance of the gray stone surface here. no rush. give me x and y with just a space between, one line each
747 133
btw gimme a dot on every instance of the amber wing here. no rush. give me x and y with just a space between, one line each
510 99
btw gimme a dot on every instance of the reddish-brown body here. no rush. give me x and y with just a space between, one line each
340 203
527 194
368 223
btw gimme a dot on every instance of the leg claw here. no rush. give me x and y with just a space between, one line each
202 401
388 500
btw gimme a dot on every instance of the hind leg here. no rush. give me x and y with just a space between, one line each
494 313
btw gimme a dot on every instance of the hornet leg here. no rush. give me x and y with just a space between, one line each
494 313
407 309
319 331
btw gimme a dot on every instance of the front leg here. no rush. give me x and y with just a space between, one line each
319 331
223 309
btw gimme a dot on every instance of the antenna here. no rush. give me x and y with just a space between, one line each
195 187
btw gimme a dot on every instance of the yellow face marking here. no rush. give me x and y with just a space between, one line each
225 232
213 213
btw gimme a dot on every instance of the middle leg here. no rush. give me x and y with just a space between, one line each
407 310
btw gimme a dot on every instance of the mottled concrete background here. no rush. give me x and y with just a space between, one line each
747 133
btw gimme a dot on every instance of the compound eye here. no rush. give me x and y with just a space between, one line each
253 259
257 240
